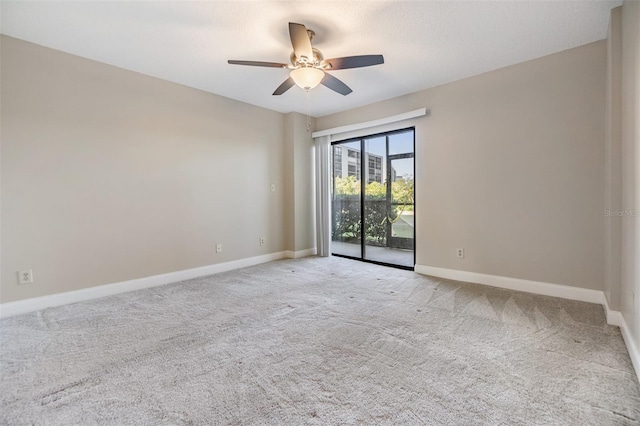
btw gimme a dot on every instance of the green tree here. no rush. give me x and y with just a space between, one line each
402 192
376 190
347 185
351 186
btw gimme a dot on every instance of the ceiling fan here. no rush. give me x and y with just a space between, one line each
308 66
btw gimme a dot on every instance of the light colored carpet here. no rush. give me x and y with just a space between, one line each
317 341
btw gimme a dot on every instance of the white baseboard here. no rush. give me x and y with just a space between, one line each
300 253
547 289
634 353
536 287
616 318
59 299
613 317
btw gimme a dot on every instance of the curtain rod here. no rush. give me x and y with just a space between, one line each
381 121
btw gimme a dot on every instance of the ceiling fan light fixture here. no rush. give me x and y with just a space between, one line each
307 77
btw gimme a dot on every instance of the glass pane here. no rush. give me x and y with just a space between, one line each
345 205
402 214
401 143
375 196
402 178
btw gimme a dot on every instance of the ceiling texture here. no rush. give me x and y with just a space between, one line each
424 43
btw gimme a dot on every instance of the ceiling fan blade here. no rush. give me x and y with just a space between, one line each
286 85
335 84
259 64
354 62
300 41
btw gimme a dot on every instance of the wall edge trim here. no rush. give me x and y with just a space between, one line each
528 286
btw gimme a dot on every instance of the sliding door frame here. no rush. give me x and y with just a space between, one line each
363 242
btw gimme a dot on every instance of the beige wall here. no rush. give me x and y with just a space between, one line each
289 214
510 166
630 277
613 159
299 191
303 178
109 175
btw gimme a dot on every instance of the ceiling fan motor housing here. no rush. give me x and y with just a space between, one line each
315 62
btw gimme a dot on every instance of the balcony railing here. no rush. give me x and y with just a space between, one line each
388 224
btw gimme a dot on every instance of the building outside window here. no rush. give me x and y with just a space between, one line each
351 164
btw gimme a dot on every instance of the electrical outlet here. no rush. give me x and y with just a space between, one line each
261 241
460 253
273 187
218 248
25 277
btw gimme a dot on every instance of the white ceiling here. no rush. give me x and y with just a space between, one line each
424 43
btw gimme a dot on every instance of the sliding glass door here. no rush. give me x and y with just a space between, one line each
346 200
373 199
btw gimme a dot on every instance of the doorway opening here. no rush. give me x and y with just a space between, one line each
373 198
